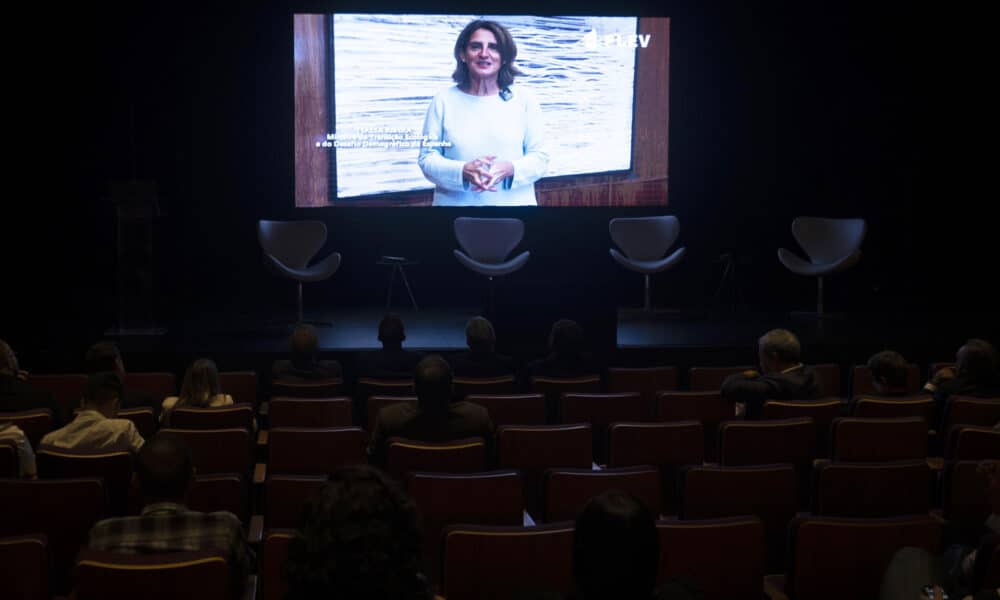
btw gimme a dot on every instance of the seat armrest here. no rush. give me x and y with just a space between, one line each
255 532
259 473
774 587
250 593
264 408
262 437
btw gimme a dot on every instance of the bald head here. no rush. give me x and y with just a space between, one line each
304 344
164 468
432 381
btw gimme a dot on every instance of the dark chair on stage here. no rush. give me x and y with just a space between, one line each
290 245
831 245
644 243
486 244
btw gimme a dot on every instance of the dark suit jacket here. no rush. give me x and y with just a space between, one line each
797 384
17 395
461 420
388 363
480 364
286 370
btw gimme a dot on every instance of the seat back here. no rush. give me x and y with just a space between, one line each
292 242
667 446
241 385
822 412
708 408
286 495
502 562
515 409
467 386
466 455
968 410
765 442
319 388
567 491
648 382
218 450
222 417
828 240
34 423
67 389
600 410
198 575
872 489
159 384
488 240
973 443
211 493
964 498
310 412
645 238
834 558
64 510
315 451
554 387
114 468
724 558
709 379
533 449
862 382
909 406
26 559
769 492
273 554
878 440
828 378
142 417
374 404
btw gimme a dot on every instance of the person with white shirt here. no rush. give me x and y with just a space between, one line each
484 140
95 427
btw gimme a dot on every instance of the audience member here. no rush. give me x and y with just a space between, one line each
11 433
782 375
481 360
435 418
200 389
567 354
164 472
616 553
105 356
360 539
889 371
305 364
976 373
391 361
95 427
16 394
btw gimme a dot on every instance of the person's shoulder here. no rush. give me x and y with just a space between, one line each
169 402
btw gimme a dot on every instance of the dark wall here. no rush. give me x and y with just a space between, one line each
778 109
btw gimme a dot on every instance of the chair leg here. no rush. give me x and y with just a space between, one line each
819 296
647 304
299 305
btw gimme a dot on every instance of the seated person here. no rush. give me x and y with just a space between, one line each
481 360
391 362
567 356
200 389
16 394
889 370
976 373
360 538
10 432
435 418
164 472
105 356
95 427
305 364
782 375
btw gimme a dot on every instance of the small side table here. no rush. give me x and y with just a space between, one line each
397 263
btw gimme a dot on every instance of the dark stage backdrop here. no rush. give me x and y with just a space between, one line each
777 109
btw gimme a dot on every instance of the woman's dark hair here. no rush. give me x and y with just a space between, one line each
505 46
616 550
359 538
200 385
978 362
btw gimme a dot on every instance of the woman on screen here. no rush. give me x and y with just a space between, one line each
483 138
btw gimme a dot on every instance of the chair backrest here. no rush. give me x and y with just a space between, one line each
319 388
514 409
822 412
554 387
724 558
767 491
64 510
647 381
26 559
923 407
67 389
218 450
766 442
534 448
142 417
878 440
310 412
466 386
488 240
241 385
872 489
834 558
828 378
862 382
645 238
709 379
202 574
668 446
222 417
567 491
706 407
828 240
113 467
964 497
968 410
507 560
315 451
34 423
159 384
226 491
973 443
600 410
466 455
284 497
273 554
292 242
374 404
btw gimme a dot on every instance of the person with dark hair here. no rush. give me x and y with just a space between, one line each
392 361
199 389
481 360
435 418
105 356
95 427
359 538
567 354
782 375
17 394
889 370
165 472
484 138
976 373
616 552
305 364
